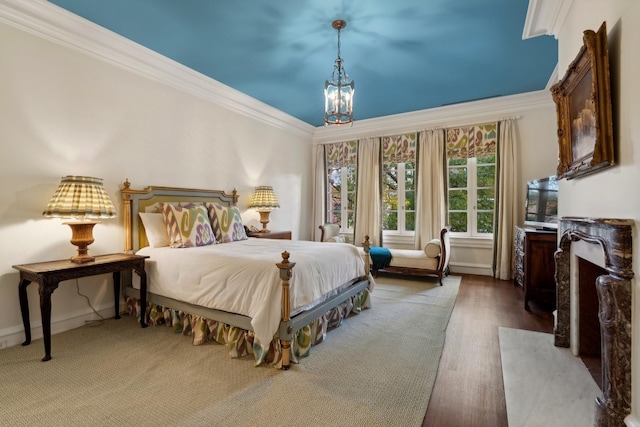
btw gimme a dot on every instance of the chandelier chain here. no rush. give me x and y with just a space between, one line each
339 43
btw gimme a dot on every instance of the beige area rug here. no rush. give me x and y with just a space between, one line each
377 369
544 385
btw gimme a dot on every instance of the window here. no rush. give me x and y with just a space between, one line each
471 179
399 183
472 195
341 199
340 160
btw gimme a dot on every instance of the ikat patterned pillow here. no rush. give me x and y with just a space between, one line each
188 225
226 222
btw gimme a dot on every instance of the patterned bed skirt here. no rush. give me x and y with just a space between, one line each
240 342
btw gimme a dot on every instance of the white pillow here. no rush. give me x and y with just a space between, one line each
155 229
338 239
432 249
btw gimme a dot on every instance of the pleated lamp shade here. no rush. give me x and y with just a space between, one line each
82 198
264 201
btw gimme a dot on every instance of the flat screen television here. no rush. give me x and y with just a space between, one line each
542 203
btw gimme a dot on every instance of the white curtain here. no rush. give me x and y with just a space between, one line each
506 209
368 202
319 196
430 197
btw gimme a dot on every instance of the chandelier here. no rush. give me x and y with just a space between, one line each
338 91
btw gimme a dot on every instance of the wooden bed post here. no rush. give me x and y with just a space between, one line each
285 274
128 232
367 248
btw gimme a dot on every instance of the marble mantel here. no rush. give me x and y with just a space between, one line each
612 238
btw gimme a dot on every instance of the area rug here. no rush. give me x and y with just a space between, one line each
544 385
377 369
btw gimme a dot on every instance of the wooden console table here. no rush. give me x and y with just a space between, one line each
49 274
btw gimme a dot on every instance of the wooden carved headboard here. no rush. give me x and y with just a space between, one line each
135 201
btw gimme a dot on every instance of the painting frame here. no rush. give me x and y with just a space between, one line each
583 106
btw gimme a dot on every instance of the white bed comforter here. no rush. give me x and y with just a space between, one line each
241 277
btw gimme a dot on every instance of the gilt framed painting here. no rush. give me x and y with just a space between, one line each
583 106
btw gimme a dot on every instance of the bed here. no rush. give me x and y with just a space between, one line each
273 299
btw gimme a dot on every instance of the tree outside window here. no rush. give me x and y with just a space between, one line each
471 179
399 183
341 198
341 161
398 198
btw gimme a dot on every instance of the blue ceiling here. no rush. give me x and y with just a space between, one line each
404 55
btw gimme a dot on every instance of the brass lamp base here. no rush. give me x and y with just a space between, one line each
82 237
264 220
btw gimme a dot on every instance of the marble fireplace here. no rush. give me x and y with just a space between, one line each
594 269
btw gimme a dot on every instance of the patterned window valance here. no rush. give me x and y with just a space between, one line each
400 148
341 154
472 141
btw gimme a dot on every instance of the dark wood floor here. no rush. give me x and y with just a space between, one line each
469 390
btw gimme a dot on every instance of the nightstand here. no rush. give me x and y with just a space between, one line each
49 274
282 235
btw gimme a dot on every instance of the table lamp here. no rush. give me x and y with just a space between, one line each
82 198
264 201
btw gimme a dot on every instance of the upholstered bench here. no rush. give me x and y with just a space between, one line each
432 260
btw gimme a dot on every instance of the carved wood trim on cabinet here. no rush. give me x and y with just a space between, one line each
535 265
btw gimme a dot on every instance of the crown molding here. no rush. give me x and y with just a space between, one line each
58 25
545 17
451 115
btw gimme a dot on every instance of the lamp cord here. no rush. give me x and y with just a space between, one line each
96 322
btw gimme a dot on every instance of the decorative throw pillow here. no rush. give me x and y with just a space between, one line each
155 229
432 249
213 219
188 225
226 222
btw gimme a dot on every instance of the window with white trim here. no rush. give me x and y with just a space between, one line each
399 184
341 160
471 173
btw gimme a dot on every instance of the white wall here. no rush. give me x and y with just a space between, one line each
65 112
612 193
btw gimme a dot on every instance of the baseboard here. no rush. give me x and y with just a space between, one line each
14 335
467 268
